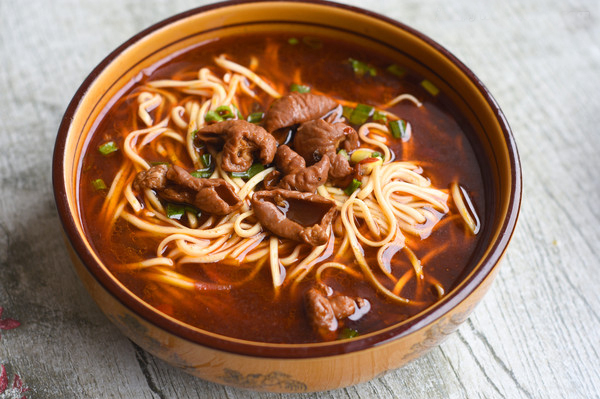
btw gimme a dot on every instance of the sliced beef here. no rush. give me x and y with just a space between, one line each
296 108
294 174
243 143
303 217
317 138
175 184
325 309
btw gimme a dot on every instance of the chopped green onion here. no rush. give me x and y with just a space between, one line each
398 128
206 159
255 117
99 184
193 134
379 117
250 173
225 112
352 187
347 333
202 173
237 112
293 41
212 116
156 163
108 148
347 111
396 70
299 88
312 42
360 114
377 154
430 87
175 211
360 68
344 153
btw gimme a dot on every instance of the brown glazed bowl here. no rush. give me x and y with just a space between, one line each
283 367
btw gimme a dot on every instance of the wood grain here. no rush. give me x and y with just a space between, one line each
535 335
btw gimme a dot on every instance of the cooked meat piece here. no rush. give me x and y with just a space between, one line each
303 217
297 176
243 142
324 310
296 108
154 178
317 138
175 184
320 313
288 160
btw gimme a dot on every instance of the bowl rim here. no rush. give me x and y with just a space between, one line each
292 351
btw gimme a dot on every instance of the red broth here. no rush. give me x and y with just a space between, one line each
441 142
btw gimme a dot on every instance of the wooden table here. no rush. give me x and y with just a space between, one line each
535 335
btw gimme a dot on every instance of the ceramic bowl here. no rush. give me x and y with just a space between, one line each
278 367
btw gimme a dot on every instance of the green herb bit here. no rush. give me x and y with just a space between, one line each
175 211
430 87
237 111
202 173
299 88
347 333
108 148
379 117
360 114
347 111
396 70
256 117
212 116
360 68
293 41
250 173
352 187
398 128
344 153
312 42
99 184
225 112
156 163
194 133
377 154
206 159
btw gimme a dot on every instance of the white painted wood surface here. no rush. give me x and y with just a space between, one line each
535 335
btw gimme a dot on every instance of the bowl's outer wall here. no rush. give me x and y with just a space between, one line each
326 370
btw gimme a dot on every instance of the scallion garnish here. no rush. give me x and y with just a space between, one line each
344 153
352 187
360 68
361 113
398 128
293 41
206 159
299 88
212 116
396 70
193 134
377 154
202 173
347 111
225 112
175 211
108 148
255 117
156 163
430 87
99 184
250 173
379 117
348 333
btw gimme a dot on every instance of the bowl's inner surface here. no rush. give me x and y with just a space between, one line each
456 136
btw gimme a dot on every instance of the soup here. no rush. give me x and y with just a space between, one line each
283 189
